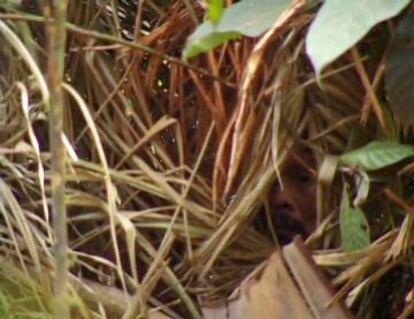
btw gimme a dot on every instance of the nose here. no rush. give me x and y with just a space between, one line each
286 208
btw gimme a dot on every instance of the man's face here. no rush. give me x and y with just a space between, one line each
293 205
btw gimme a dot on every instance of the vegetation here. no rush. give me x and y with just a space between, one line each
145 136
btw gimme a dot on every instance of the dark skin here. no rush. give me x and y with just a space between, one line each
293 204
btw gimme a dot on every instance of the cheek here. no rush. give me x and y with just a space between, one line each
305 200
298 201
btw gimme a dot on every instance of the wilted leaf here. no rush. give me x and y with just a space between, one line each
339 25
362 184
327 170
378 154
399 72
275 295
248 17
291 286
215 10
353 225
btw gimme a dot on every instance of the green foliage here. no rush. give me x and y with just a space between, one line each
205 39
354 227
215 10
377 154
248 17
339 25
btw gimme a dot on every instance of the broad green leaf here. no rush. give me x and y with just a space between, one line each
340 24
247 17
252 17
353 225
205 39
399 73
378 154
215 10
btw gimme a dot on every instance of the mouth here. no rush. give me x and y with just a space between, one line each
287 226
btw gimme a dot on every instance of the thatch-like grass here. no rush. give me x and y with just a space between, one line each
167 163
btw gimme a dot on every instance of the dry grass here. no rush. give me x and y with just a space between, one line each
168 163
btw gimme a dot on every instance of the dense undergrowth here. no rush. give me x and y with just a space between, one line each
168 162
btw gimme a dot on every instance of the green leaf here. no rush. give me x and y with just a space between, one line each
205 39
215 10
340 24
378 154
353 225
248 17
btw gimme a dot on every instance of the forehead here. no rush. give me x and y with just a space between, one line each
299 158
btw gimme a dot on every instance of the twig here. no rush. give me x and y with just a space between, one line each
56 33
